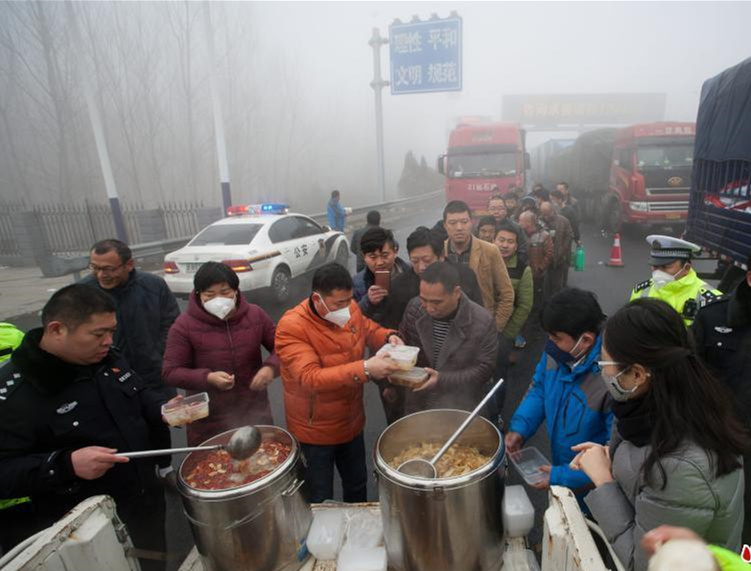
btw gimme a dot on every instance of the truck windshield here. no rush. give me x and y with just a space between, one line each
664 157
481 165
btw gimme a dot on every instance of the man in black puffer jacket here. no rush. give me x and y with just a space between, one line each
68 403
722 333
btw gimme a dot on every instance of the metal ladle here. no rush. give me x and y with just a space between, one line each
243 444
426 469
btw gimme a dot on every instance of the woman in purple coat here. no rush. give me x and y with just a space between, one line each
216 347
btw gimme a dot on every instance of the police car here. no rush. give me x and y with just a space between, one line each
265 244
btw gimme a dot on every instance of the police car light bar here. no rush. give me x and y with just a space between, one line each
255 209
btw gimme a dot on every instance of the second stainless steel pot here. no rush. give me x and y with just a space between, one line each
446 524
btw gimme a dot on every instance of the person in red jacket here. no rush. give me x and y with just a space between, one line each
216 347
320 344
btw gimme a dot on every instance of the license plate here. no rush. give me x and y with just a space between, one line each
191 268
673 216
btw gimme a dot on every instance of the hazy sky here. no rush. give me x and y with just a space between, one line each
509 47
294 78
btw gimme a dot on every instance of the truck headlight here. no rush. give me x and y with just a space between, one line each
638 206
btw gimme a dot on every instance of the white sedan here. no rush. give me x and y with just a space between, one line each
265 250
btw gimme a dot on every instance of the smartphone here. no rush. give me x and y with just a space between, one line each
383 279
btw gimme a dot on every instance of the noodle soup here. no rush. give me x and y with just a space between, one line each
457 461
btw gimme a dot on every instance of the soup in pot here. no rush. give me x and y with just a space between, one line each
457 461
217 470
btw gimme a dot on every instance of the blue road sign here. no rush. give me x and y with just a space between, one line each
426 56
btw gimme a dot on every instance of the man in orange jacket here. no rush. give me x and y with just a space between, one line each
320 344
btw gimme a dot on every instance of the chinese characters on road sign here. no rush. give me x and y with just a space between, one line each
426 56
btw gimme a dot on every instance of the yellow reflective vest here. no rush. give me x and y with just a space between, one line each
685 295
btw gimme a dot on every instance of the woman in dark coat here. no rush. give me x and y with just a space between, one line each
216 347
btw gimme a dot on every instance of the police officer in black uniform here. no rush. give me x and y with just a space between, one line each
68 403
722 332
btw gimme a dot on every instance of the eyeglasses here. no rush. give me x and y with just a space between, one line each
105 270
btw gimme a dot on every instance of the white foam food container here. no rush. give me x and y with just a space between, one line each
518 512
404 355
527 462
326 533
187 410
362 559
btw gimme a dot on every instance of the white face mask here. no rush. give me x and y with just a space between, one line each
220 306
661 279
339 317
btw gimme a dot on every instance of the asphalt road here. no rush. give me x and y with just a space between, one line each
612 286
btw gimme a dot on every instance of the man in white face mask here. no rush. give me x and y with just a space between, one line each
321 343
673 278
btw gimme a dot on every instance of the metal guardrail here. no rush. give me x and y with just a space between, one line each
56 266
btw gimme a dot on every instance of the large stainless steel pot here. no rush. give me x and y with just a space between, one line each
448 524
259 526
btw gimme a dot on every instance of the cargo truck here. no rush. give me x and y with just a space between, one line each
636 175
719 216
482 159
540 155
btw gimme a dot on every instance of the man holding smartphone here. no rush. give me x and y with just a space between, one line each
371 285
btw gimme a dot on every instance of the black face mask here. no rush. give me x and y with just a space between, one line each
562 357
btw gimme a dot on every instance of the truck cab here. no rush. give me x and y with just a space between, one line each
482 159
650 175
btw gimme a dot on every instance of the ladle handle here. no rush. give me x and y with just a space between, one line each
466 422
166 451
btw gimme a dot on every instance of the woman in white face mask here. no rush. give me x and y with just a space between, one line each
675 456
216 347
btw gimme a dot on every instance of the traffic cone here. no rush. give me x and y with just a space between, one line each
616 261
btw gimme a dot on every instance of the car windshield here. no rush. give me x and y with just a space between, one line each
226 235
482 165
665 157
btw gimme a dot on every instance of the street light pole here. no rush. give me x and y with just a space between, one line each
378 83
97 126
216 103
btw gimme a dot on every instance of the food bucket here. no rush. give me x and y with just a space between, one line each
446 524
256 526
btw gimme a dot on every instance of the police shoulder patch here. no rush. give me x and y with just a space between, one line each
8 384
643 285
709 298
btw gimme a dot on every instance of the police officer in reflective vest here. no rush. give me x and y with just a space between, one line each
68 403
673 279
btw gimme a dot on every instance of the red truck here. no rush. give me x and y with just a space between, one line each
650 175
482 158
638 175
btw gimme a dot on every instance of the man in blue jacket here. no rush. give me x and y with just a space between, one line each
336 212
567 390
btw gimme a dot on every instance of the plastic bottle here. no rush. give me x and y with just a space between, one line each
580 259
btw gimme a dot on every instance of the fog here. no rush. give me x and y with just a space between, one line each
294 79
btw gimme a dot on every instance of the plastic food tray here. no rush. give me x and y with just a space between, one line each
404 355
527 462
187 410
411 379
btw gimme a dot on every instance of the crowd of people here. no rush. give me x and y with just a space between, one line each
646 411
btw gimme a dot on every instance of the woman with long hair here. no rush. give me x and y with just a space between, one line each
675 454
215 347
